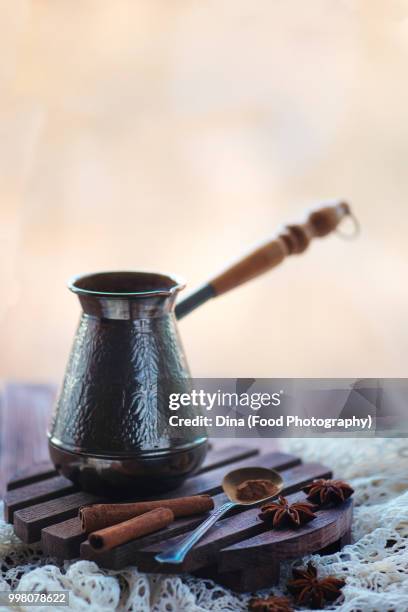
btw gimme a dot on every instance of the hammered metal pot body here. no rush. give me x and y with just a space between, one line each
110 429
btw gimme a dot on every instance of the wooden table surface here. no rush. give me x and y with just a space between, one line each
24 414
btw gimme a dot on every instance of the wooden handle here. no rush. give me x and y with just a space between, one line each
294 239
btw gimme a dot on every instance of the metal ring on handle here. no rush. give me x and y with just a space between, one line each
356 228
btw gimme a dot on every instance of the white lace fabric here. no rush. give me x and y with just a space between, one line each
375 566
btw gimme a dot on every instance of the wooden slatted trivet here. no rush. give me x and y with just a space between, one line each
239 552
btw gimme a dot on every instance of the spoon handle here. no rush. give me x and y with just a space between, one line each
176 553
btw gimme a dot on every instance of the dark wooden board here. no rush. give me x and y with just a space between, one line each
252 576
57 538
210 482
217 458
239 551
28 525
63 539
28 522
329 524
34 473
242 525
35 493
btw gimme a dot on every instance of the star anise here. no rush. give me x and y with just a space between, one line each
282 513
270 604
328 491
308 590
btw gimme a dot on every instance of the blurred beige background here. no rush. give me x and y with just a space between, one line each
171 136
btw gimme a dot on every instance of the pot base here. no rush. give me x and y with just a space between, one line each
142 475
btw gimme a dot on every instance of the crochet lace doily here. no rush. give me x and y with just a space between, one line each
375 566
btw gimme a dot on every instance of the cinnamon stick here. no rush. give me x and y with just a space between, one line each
139 526
99 516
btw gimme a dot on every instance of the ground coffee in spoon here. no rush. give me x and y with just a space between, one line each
252 490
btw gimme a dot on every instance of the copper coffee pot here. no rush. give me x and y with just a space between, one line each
110 429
